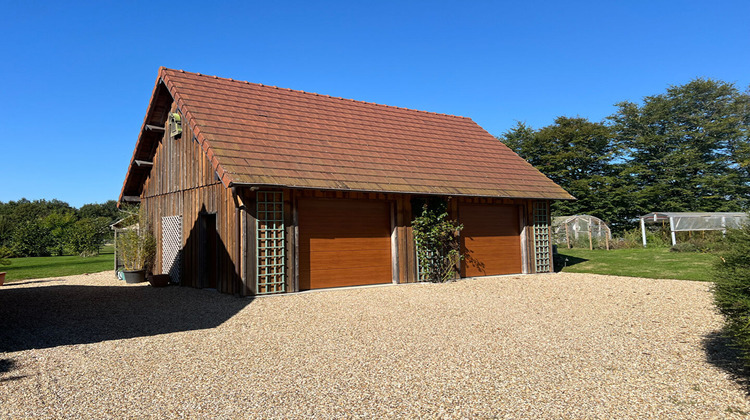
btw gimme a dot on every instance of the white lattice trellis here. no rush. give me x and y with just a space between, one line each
542 260
171 246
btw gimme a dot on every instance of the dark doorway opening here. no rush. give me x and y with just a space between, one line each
208 259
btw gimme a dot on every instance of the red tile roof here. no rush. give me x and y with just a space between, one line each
264 135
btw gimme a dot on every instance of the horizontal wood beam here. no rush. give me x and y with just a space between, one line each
131 198
144 163
150 127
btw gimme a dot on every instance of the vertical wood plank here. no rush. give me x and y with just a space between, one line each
395 263
522 221
411 252
401 236
252 255
295 254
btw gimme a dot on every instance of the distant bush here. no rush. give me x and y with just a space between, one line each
5 254
633 238
713 244
732 288
684 247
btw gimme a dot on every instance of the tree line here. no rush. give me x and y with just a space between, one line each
686 149
42 228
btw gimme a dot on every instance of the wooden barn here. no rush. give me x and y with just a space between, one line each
254 189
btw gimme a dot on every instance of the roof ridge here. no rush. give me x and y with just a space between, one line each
315 93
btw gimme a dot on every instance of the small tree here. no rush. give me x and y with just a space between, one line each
437 243
59 225
732 288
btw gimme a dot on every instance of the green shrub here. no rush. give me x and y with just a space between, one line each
633 238
5 254
437 243
732 288
684 247
32 240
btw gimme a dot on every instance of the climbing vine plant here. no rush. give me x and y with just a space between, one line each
437 242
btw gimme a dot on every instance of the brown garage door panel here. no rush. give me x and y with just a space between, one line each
344 243
340 277
490 240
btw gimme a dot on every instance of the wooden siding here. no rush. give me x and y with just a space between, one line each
182 182
179 164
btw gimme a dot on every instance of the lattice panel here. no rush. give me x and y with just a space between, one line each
271 245
171 246
542 258
423 267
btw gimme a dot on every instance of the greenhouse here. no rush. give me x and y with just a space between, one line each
692 222
570 230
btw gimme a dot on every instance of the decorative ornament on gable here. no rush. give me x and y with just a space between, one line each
175 125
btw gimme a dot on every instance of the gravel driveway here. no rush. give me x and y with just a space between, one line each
543 346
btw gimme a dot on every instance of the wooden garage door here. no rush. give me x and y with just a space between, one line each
490 240
343 243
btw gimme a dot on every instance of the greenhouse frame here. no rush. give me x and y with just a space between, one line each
693 222
567 227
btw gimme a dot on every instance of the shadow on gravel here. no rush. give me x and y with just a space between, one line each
51 316
18 283
6 365
721 353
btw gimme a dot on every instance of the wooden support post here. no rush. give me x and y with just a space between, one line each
407 242
523 217
116 253
295 238
394 246
591 243
643 231
251 238
671 230
567 235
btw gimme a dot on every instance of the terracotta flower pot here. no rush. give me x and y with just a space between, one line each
159 280
136 276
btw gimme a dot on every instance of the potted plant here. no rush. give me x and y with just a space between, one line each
4 255
136 251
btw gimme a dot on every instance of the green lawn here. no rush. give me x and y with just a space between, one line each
42 267
655 263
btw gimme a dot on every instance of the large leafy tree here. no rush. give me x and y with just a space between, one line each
578 155
684 150
107 209
687 149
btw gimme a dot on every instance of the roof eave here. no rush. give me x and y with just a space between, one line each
257 186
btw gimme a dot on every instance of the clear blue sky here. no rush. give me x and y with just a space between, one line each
76 77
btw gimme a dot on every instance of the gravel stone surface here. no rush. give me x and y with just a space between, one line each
537 346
